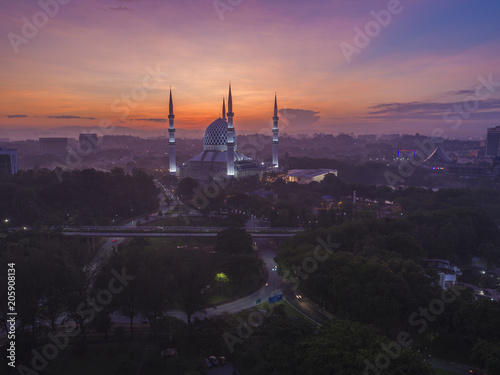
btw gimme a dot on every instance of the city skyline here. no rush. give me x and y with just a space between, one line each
428 67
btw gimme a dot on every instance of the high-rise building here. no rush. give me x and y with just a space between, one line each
493 142
88 143
8 161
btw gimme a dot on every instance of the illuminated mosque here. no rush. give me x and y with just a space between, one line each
220 158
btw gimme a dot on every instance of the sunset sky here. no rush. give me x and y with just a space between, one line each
418 73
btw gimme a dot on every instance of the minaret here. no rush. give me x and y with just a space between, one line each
171 135
224 108
275 133
230 135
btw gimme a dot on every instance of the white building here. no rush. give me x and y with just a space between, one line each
447 280
304 176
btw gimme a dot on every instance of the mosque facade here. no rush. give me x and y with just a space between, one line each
220 158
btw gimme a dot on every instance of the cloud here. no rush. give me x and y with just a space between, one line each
431 107
297 120
16 116
150 119
120 8
462 92
70 117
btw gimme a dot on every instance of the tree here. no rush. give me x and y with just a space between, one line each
130 258
234 241
190 278
344 347
76 284
156 285
488 353
187 187
340 347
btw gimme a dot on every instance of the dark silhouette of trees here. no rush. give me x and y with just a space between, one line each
293 346
191 277
186 187
234 241
81 197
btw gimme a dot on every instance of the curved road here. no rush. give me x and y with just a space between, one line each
267 252
275 284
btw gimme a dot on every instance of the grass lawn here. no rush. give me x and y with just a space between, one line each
252 280
219 293
289 310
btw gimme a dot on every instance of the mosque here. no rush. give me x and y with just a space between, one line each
220 158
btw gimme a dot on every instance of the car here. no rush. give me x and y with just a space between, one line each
114 240
213 359
298 296
475 371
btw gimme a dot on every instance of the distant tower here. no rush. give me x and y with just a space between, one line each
275 133
171 135
230 135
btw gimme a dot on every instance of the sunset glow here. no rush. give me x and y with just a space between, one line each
90 60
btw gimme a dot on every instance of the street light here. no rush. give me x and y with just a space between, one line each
221 278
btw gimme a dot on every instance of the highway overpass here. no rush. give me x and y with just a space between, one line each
143 231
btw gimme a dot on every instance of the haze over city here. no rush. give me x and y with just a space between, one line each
250 187
337 66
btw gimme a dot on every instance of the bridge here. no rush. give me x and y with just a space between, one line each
144 231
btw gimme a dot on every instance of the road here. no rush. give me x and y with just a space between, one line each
307 307
455 368
166 234
493 294
275 284
267 251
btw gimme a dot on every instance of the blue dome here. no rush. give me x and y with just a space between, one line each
216 136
